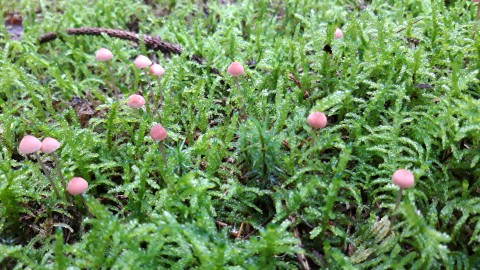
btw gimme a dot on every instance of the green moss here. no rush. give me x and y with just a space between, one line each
400 90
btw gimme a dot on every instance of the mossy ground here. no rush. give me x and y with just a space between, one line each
400 90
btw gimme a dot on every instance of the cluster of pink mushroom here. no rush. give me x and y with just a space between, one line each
142 62
77 185
31 145
135 101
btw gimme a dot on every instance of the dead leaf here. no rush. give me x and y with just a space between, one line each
85 109
295 80
413 41
423 86
286 144
14 25
63 225
328 49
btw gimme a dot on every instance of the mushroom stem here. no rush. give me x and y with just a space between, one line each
312 142
243 111
86 206
478 12
399 199
162 150
149 92
112 83
47 174
160 101
237 84
60 174
477 21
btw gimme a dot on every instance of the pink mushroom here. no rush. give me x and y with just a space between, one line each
103 55
157 70
28 145
142 62
317 120
403 178
338 33
49 145
135 101
77 185
235 69
158 133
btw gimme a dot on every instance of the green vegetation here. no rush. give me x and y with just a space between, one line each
249 185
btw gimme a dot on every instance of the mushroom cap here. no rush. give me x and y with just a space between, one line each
403 178
142 62
77 185
235 69
135 101
49 145
157 70
339 33
158 133
317 120
476 1
103 55
29 144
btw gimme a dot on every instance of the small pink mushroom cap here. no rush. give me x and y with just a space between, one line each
339 33
235 69
158 133
103 55
476 1
29 144
317 120
142 62
135 101
77 185
403 178
49 145
157 70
